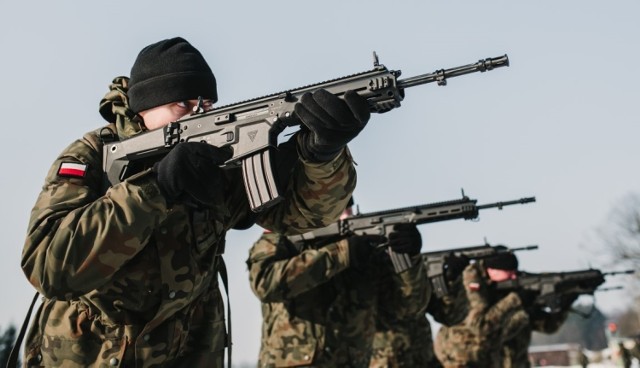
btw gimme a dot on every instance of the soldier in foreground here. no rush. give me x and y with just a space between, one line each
319 304
129 272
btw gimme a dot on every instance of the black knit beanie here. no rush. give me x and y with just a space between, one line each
502 261
169 71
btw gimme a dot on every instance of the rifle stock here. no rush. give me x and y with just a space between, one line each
251 127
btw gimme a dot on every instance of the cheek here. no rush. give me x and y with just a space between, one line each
159 118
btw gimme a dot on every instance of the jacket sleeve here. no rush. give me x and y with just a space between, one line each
78 236
278 272
314 194
407 294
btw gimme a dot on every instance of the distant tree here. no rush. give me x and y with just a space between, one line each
7 339
620 234
588 332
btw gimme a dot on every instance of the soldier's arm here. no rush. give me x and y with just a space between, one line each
278 272
77 238
451 308
315 194
406 294
507 314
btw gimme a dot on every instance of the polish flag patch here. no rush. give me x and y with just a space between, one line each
474 286
73 170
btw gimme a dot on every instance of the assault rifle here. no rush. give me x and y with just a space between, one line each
251 127
436 262
382 223
551 289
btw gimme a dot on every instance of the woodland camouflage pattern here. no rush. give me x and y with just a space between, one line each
129 282
317 311
477 341
403 343
516 350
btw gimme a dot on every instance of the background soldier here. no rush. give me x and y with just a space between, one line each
516 350
319 304
129 273
490 321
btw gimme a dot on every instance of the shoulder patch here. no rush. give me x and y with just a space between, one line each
72 169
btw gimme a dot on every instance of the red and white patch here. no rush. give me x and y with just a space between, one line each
72 170
474 286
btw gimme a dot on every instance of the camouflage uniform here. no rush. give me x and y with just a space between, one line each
516 350
404 342
318 311
129 282
477 341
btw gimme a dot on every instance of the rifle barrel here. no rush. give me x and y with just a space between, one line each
528 247
612 273
441 75
507 203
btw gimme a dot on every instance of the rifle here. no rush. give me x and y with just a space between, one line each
251 127
551 289
436 262
382 223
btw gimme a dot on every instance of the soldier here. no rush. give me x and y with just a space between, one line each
129 273
490 320
319 303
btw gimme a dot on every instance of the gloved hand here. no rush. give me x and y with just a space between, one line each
361 247
190 174
454 266
329 122
405 238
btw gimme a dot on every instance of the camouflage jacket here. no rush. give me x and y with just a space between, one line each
452 308
317 311
516 350
478 340
406 342
129 282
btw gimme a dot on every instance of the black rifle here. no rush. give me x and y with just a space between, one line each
549 290
436 262
251 127
382 223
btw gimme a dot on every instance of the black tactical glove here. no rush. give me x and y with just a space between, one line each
405 238
329 122
361 247
454 266
189 174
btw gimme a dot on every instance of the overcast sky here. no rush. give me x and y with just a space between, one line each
561 123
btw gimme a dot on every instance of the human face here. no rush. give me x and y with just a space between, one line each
162 115
348 212
498 275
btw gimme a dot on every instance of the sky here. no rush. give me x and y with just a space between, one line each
561 123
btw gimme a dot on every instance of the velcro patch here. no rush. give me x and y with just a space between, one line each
72 170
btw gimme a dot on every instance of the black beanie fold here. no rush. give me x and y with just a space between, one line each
173 87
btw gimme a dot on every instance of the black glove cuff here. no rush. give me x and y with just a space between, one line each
311 154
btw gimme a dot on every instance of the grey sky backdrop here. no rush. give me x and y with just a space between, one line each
560 124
